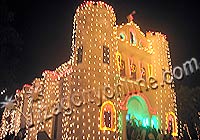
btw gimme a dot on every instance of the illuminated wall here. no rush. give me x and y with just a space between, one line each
94 68
147 56
112 68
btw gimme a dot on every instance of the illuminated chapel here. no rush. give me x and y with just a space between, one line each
115 75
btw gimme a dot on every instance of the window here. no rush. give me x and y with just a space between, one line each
171 123
106 55
108 116
132 37
131 34
79 55
122 36
133 69
143 73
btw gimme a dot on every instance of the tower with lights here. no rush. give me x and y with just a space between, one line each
116 73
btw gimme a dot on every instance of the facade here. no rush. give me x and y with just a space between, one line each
116 73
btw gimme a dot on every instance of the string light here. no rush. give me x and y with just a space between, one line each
103 55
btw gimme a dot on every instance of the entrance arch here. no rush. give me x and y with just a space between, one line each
138 110
138 99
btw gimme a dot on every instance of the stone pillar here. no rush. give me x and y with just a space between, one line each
124 136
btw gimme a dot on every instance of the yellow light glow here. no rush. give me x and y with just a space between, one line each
113 116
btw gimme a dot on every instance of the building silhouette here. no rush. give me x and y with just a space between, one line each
116 73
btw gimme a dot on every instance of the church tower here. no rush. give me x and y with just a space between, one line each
94 45
94 74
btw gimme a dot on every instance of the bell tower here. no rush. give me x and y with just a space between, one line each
94 46
94 74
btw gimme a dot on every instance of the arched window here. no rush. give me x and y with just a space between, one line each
132 68
132 37
133 71
171 123
143 73
108 116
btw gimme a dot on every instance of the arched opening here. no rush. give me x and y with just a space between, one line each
138 111
108 116
133 37
171 123
136 108
132 68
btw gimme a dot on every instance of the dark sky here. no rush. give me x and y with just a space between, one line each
45 27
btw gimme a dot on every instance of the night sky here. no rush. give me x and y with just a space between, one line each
45 26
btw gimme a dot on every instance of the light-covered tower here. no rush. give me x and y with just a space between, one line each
94 49
94 74
165 94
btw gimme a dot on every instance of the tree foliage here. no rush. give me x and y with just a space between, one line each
188 106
